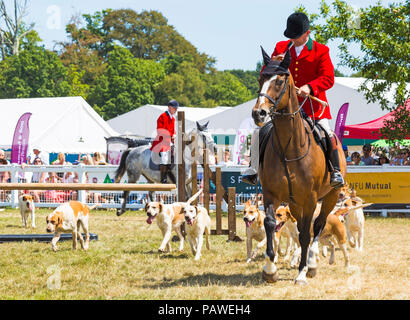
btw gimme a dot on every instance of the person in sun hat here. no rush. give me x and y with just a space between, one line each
165 138
313 73
38 153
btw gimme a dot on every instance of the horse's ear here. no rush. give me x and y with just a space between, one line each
286 60
266 57
206 125
198 126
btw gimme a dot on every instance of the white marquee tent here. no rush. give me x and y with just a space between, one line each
67 124
142 121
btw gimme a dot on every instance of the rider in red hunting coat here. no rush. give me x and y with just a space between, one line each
313 73
165 136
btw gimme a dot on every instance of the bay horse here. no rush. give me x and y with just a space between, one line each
142 161
293 168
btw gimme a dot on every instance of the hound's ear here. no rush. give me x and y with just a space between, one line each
59 220
286 60
146 206
248 203
290 216
196 209
161 207
266 57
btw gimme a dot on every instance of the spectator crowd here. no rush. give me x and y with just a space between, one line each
39 158
394 156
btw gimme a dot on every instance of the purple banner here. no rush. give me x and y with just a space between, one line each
341 120
20 140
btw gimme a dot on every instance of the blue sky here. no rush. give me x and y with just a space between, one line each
231 31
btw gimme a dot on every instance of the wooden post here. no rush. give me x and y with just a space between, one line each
206 180
219 194
180 148
194 170
232 215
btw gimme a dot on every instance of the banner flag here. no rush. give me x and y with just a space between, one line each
20 140
341 120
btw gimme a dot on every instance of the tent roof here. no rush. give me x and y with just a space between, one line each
142 121
56 124
370 129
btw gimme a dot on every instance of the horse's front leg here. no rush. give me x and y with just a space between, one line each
270 272
304 239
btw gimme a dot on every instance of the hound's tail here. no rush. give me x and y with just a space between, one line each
121 168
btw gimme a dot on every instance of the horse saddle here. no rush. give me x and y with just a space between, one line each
319 134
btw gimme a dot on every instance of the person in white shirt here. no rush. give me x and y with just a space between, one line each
38 154
226 161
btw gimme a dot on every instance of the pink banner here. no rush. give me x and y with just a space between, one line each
20 140
341 120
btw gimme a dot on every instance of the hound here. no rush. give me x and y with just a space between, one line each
70 216
26 205
169 218
198 223
254 230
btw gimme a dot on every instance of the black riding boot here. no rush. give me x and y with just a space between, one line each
163 168
336 178
171 174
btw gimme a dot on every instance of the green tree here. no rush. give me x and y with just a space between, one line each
126 84
77 87
383 34
186 85
147 35
226 90
35 72
249 79
80 51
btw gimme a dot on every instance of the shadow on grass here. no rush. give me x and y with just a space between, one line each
208 279
162 255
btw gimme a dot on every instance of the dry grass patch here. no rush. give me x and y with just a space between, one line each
124 264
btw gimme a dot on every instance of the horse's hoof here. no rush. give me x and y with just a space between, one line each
270 278
311 272
300 282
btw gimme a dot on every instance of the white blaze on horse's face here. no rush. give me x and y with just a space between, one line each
263 100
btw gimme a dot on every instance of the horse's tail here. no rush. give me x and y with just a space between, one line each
121 168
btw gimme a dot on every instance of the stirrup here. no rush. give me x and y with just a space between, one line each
336 179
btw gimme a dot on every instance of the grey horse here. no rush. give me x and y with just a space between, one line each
142 161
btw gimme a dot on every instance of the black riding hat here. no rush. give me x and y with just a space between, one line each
297 24
173 103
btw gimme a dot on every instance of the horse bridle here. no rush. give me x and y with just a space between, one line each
275 102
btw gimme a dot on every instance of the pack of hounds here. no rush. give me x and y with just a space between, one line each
344 224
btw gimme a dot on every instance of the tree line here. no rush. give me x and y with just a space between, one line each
119 60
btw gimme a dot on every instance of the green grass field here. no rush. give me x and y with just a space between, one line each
124 264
